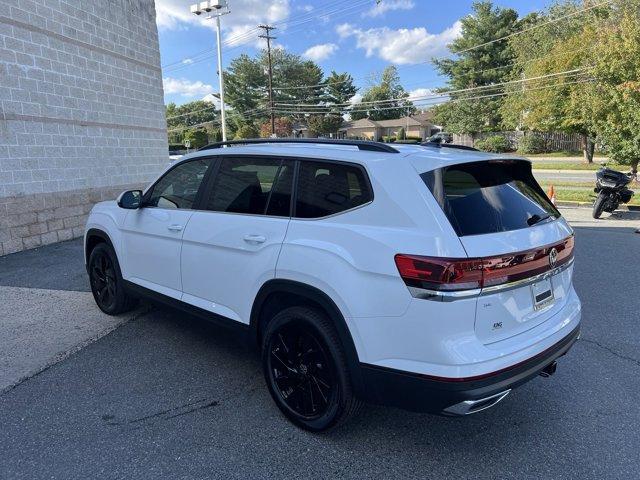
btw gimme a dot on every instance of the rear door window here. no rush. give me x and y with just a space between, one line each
489 197
250 185
328 188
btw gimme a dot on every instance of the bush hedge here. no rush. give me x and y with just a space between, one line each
494 144
532 144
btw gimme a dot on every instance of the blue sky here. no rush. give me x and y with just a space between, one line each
344 35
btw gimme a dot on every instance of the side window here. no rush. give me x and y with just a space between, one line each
252 185
329 188
179 186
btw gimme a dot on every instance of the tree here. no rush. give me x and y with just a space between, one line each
197 136
246 83
284 128
339 90
477 67
191 113
392 95
615 97
321 124
246 131
554 102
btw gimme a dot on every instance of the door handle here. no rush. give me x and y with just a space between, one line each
255 238
175 228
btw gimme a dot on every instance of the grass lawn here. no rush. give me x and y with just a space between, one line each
574 166
563 154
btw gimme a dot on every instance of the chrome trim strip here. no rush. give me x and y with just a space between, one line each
526 281
452 296
466 407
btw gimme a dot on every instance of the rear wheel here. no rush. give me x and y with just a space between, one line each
598 205
305 369
106 281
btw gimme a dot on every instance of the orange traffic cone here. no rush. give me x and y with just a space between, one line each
552 195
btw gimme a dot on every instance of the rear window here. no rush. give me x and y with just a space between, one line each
489 197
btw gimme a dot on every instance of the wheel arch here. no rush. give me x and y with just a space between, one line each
93 237
276 295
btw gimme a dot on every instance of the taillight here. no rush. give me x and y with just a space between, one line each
440 273
455 274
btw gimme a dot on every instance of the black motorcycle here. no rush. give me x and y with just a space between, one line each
611 187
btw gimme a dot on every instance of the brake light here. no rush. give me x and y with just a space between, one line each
454 274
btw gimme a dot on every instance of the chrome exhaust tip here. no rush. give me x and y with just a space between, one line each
474 406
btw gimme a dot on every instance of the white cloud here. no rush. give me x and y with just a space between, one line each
420 93
186 88
187 61
245 16
404 45
386 5
320 52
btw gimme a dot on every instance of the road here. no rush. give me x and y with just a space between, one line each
166 396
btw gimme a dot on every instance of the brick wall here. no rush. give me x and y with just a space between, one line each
81 112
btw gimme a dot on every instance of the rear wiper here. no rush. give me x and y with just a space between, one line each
534 219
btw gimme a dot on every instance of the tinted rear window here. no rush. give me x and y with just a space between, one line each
490 197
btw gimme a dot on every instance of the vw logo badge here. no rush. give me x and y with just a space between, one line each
553 257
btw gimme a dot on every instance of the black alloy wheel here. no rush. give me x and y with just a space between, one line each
305 370
301 371
106 281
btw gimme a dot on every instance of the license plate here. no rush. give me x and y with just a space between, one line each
542 293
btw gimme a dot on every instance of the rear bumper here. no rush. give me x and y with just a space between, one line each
423 393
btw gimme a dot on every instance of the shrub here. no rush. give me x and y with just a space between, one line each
401 135
532 144
388 139
413 137
494 144
408 141
247 131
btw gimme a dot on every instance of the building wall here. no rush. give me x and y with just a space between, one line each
81 112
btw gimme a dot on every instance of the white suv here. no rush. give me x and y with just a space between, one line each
430 278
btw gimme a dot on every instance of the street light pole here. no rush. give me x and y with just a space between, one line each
208 7
221 79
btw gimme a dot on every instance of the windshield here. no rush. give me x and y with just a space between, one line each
489 197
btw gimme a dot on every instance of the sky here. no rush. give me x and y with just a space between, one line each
360 37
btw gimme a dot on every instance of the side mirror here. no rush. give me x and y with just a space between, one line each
131 199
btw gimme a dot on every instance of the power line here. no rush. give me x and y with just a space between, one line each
268 38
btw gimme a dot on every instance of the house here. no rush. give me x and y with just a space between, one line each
418 125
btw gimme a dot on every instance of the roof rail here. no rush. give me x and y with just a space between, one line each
448 145
361 144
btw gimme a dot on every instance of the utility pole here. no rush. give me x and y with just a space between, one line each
267 29
220 7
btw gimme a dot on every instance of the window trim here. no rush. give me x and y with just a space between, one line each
196 202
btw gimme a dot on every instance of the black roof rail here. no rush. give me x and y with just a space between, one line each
448 145
361 144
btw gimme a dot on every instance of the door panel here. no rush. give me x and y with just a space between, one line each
226 258
230 250
152 235
152 240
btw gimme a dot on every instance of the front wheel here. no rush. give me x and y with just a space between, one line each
598 205
106 281
305 369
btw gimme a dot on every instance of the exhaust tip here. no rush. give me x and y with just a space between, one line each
474 406
549 369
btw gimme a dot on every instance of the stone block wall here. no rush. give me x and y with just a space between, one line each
81 112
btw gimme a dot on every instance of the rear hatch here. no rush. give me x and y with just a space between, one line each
519 240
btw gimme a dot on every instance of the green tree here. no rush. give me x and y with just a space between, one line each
615 96
389 91
246 83
554 102
339 90
197 136
284 127
191 113
320 124
477 67
247 131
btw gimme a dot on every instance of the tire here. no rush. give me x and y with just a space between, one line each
305 369
598 205
106 281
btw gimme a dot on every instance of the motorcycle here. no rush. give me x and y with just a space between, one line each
611 187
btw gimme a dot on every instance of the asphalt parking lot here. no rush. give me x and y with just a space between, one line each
161 395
